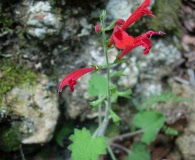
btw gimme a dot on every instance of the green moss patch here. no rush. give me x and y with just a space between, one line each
9 140
167 18
11 75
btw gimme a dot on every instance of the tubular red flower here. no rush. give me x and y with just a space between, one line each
141 40
72 77
138 13
120 38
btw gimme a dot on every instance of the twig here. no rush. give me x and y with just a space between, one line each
111 152
22 153
120 147
123 136
191 77
181 80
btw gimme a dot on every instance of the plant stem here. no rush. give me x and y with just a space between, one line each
108 106
103 126
100 114
111 153
126 135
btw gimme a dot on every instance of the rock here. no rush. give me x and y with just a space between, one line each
171 24
186 141
156 65
76 104
39 109
180 113
188 15
42 23
131 73
123 9
8 140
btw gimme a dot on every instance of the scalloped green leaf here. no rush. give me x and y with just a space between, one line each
97 86
86 147
139 152
150 122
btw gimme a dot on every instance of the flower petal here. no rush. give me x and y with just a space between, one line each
139 12
126 50
72 77
141 40
128 41
121 38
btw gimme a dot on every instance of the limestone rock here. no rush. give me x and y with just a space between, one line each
42 22
39 107
180 112
156 65
123 9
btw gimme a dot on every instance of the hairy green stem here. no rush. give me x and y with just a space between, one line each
104 124
108 106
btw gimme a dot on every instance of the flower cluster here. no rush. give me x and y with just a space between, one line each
121 40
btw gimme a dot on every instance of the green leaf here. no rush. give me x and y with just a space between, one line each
125 94
97 102
170 131
97 86
150 122
86 147
113 88
111 26
67 129
119 60
119 73
114 117
117 94
139 152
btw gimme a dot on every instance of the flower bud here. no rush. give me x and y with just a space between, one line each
97 28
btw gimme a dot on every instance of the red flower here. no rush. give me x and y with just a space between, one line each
121 38
72 77
141 40
126 42
139 12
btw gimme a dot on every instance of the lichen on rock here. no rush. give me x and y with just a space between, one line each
42 22
166 17
39 108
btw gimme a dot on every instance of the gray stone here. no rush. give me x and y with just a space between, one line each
41 22
181 110
156 65
39 107
123 9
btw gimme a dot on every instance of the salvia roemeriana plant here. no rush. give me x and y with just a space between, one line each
86 146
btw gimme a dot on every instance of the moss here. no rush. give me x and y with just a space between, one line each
167 18
14 75
9 140
6 20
